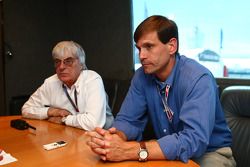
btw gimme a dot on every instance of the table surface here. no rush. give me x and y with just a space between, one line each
27 147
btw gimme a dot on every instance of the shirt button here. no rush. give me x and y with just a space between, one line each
164 130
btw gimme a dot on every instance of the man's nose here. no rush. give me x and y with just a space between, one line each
142 54
61 65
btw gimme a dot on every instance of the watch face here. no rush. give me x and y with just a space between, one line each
143 154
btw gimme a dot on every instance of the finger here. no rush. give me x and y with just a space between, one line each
93 134
98 141
101 131
99 151
63 113
107 151
103 158
54 112
93 145
112 130
90 133
50 119
106 144
94 139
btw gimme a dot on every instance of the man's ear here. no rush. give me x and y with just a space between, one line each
172 45
84 67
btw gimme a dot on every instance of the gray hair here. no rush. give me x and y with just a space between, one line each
70 46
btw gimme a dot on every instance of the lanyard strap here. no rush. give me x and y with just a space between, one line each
167 109
70 100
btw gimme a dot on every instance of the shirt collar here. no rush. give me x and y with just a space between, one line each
170 80
77 83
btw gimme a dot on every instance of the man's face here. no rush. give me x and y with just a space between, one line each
68 68
154 55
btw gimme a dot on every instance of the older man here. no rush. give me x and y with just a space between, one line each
74 95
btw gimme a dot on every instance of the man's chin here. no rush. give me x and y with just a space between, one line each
147 71
64 79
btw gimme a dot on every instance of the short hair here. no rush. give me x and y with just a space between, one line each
71 46
165 28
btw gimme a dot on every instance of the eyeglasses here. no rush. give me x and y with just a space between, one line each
67 62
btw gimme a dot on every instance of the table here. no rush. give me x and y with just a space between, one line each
27 147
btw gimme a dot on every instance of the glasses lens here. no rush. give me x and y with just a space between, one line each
67 62
57 62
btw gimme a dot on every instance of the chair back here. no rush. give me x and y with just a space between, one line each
235 101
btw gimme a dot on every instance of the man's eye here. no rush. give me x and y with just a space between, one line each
68 61
148 46
57 61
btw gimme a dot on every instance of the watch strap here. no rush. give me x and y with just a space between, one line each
143 145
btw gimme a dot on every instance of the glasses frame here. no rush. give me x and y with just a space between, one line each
68 62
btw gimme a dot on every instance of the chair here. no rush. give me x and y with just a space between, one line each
236 103
16 104
116 90
111 88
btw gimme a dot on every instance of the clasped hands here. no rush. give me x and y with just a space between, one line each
110 144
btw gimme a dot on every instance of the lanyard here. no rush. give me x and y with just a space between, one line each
167 109
70 100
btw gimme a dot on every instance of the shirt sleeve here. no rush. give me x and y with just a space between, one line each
35 107
198 117
93 110
132 116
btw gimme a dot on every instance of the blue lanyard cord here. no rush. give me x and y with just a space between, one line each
70 100
169 112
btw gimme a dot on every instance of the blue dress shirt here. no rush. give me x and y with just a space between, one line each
198 124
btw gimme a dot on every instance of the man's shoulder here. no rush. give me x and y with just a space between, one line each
52 79
142 79
191 67
90 75
139 75
190 72
52 82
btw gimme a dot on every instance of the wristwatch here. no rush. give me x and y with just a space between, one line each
143 152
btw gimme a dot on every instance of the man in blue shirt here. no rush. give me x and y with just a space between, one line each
180 97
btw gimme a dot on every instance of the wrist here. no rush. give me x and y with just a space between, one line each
143 152
121 135
50 112
130 150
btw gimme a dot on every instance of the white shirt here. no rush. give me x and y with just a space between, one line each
91 96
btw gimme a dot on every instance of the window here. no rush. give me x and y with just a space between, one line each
213 32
